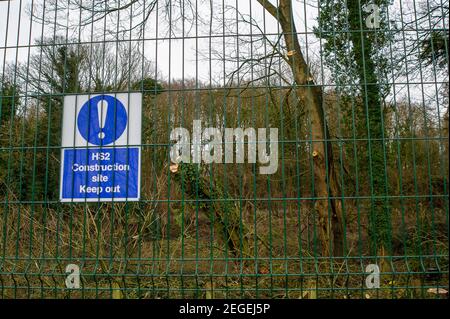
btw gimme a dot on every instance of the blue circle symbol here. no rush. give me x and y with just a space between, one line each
102 120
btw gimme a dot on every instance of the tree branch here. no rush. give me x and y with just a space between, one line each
270 8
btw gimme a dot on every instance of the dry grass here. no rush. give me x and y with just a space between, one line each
144 252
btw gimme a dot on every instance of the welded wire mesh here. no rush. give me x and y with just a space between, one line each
358 91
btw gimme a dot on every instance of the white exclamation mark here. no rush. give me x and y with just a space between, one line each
102 109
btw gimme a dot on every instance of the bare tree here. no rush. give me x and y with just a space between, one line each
278 60
123 17
64 66
327 189
325 179
423 38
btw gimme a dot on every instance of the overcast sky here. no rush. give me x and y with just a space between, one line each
182 53
171 54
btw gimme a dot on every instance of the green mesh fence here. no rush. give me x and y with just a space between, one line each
348 198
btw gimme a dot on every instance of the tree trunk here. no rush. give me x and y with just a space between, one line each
326 184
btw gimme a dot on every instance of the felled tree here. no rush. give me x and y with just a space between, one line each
214 201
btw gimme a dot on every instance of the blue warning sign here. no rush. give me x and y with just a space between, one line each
101 173
102 163
102 120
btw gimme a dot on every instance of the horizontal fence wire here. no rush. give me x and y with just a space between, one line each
285 149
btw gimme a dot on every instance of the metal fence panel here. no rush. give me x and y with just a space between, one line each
312 159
